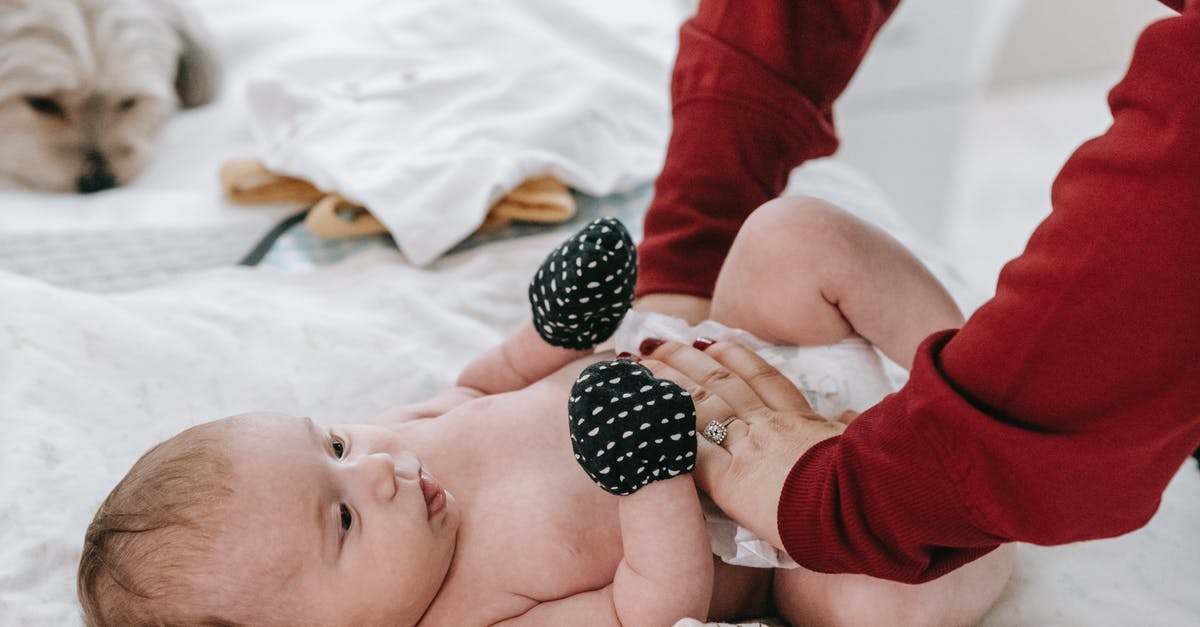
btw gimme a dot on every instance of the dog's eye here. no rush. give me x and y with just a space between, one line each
45 106
127 104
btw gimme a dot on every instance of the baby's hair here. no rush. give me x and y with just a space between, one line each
146 547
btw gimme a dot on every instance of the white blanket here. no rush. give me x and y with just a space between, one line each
88 382
429 111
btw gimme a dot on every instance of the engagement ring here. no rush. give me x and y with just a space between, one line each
715 432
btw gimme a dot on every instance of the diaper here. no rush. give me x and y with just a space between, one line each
849 375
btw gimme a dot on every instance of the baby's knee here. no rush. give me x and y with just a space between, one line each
802 226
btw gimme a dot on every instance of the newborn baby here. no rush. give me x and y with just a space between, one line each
472 508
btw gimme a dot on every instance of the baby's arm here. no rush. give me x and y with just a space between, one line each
429 408
578 296
803 272
635 436
521 359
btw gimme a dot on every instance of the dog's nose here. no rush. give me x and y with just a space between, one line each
97 177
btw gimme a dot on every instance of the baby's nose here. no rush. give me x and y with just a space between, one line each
383 472
378 473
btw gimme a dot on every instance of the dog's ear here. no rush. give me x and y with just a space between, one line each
199 72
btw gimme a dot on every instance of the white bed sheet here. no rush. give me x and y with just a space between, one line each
88 381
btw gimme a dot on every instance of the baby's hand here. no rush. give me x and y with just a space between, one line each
579 295
585 286
628 428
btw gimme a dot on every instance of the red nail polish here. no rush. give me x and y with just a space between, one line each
625 355
649 344
702 342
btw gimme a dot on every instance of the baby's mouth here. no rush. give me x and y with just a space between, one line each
435 496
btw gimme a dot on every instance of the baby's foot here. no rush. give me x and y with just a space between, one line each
584 288
628 428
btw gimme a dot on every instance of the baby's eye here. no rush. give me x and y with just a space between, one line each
346 517
339 448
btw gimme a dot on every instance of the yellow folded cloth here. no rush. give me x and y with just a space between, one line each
248 181
542 199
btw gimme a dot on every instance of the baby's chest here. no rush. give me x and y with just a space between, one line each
538 539
555 522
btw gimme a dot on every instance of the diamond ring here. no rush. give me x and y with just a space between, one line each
715 432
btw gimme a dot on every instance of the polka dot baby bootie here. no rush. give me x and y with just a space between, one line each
584 288
628 428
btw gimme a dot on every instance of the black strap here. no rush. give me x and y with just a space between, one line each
265 244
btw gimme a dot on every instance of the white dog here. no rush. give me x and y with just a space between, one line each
86 85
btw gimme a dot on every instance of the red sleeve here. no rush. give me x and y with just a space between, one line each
1062 408
752 93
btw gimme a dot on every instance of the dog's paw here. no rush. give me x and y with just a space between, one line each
585 287
628 428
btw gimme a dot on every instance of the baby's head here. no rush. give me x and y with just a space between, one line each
270 519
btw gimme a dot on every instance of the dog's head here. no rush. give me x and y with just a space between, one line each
86 85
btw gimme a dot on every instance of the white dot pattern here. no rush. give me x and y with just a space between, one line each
585 286
628 428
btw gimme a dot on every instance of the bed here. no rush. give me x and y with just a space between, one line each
124 319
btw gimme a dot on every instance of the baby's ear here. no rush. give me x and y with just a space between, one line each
199 71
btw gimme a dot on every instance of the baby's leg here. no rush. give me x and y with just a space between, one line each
803 272
804 597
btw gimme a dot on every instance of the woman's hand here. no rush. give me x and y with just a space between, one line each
772 426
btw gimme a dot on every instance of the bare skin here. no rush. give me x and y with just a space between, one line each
534 541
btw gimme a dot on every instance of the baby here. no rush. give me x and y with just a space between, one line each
471 509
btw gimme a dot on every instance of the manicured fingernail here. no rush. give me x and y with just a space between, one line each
649 344
702 342
628 357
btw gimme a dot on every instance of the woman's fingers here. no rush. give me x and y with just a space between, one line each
710 375
736 373
714 460
709 406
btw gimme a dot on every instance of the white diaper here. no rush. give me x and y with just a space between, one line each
849 375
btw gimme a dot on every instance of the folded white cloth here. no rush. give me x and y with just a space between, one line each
428 111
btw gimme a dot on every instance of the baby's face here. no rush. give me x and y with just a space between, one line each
336 526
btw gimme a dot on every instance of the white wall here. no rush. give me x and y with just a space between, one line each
1057 38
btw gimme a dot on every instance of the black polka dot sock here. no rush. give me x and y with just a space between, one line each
628 428
584 288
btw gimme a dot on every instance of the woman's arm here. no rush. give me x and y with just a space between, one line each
752 92
1059 411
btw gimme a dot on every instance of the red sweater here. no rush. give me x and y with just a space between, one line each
1062 408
